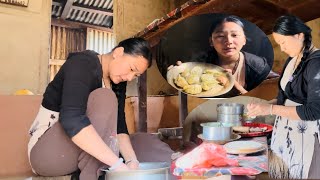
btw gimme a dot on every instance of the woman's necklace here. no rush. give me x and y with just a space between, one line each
236 64
234 69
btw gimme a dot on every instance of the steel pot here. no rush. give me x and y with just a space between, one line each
216 131
230 108
146 171
231 113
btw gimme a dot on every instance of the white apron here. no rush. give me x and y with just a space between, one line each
292 141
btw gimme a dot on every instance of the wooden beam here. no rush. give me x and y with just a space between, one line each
183 108
66 9
142 95
77 25
92 10
56 3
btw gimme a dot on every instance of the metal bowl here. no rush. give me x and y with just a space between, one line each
146 171
174 72
216 131
171 133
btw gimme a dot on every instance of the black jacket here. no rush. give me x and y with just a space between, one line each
69 91
304 87
256 70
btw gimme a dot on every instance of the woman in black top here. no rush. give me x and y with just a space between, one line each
82 125
295 143
227 38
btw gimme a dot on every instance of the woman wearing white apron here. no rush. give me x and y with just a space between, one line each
81 121
295 149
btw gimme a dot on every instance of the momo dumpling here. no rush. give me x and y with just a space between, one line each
181 81
207 85
214 72
196 71
193 79
185 73
193 89
208 78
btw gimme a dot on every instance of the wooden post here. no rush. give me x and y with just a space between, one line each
142 95
183 108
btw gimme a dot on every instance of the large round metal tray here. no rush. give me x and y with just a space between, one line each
174 72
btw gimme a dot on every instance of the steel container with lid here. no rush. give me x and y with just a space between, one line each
231 113
216 131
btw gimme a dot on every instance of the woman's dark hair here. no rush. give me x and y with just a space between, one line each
137 47
289 25
220 21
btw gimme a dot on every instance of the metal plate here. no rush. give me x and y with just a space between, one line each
234 137
244 147
255 134
176 70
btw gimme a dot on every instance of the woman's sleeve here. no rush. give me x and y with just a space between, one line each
78 79
120 91
311 110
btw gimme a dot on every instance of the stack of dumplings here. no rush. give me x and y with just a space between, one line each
197 80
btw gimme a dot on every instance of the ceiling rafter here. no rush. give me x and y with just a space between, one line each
66 9
77 25
92 10
82 14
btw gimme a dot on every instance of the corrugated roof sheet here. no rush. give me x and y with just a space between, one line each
81 12
103 4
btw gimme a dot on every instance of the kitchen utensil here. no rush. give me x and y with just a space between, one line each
231 113
234 137
146 171
171 133
216 131
176 70
255 134
244 147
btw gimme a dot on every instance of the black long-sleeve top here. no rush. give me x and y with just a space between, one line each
68 92
304 87
256 68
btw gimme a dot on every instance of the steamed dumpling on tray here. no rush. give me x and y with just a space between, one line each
193 89
202 80
207 85
181 81
196 71
213 72
208 78
193 79
185 73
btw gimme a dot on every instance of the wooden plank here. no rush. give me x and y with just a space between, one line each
58 55
56 62
107 13
64 44
54 3
142 94
77 25
53 42
66 9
